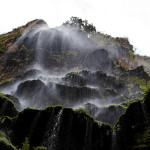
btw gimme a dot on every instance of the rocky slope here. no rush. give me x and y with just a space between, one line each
96 79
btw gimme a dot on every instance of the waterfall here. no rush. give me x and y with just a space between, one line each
145 114
114 145
88 134
53 138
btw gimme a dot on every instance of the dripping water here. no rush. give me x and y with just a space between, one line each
53 138
114 140
145 114
88 134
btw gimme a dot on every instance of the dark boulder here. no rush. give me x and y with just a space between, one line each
133 128
74 79
15 100
139 72
109 114
7 107
19 78
33 91
75 93
98 60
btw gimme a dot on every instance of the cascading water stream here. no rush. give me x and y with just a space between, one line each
114 141
88 134
145 114
53 138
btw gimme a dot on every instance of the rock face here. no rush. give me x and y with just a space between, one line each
58 128
139 71
109 114
93 73
18 79
33 91
133 127
77 93
98 60
15 101
5 144
7 107
74 79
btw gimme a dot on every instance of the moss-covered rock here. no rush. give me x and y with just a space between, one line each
136 88
19 78
101 80
7 107
34 92
74 79
147 99
109 114
59 128
139 71
76 93
131 127
5 143
15 101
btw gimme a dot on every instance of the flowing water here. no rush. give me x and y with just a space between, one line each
145 114
52 140
114 141
88 134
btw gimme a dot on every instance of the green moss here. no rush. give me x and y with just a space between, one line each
71 53
7 80
133 80
126 103
71 74
142 140
7 106
5 143
7 39
58 58
131 54
3 96
82 111
39 148
26 145
146 92
141 147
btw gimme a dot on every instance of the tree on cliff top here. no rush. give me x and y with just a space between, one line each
79 23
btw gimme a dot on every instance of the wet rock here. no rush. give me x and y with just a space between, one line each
131 127
7 107
5 143
101 80
34 91
76 93
135 89
109 114
15 100
61 129
136 95
147 100
139 72
20 78
29 74
98 60
74 79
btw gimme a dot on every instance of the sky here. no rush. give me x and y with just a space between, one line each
118 18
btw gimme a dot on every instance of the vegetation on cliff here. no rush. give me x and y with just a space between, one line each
85 83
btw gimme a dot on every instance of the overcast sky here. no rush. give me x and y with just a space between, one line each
124 18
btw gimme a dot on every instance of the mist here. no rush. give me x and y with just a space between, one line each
67 68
